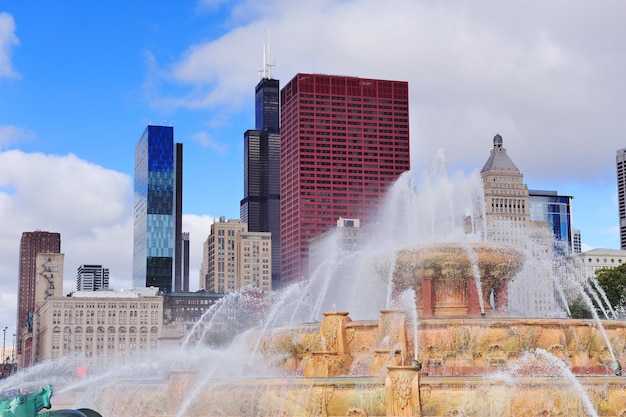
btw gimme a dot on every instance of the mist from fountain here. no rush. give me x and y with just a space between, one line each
596 318
442 209
590 290
599 290
540 362
407 302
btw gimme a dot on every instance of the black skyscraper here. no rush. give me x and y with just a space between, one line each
260 206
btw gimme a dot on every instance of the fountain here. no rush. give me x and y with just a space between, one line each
423 328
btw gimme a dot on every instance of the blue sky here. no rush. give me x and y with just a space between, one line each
79 82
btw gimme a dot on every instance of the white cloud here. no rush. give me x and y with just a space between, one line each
8 40
89 205
13 134
198 228
539 74
204 139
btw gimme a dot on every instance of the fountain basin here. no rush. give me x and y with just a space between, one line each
369 396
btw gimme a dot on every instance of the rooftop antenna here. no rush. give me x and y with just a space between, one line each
267 54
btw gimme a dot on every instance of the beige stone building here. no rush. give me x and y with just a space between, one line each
596 259
507 212
236 259
48 284
100 324
506 196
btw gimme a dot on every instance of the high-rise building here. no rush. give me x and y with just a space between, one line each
236 259
554 210
506 195
344 141
508 220
158 242
92 278
578 245
620 163
31 244
260 206
185 262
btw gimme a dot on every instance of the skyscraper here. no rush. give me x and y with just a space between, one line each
31 244
92 278
158 246
509 221
554 210
620 163
260 206
344 141
506 196
235 258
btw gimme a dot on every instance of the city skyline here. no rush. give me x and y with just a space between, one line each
76 95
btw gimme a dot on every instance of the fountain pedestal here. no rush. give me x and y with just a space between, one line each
457 280
326 364
402 391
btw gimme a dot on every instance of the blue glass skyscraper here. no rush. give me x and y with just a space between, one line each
554 210
158 211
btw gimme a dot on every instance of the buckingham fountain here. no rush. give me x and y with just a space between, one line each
414 324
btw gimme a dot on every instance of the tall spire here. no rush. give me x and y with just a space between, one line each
267 55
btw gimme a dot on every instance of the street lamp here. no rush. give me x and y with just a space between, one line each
4 343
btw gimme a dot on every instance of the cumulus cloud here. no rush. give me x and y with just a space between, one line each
89 205
204 139
198 228
14 134
8 40
539 74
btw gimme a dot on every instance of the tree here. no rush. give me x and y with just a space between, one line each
613 282
579 310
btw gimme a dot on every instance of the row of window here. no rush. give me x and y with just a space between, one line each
102 305
605 260
110 329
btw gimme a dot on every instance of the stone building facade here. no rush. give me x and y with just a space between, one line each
101 324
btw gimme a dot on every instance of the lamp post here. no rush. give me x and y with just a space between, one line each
4 343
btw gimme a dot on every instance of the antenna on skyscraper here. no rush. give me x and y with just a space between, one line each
267 54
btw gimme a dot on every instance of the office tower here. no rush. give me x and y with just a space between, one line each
236 259
158 211
31 244
577 241
508 220
260 206
92 278
344 141
181 256
620 162
506 196
185 263
555 211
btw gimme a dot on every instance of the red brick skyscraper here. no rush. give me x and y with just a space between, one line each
344 141
31 244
